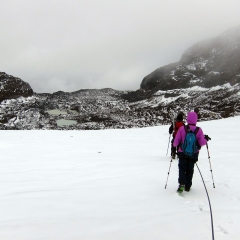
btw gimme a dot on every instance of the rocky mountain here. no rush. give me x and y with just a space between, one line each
108 108
207 63
12 87
206 77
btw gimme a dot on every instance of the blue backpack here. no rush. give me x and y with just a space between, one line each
189 145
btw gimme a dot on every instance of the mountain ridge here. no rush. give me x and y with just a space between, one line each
207 77
207 63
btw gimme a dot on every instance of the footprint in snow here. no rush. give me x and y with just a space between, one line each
195 206
221 229
224 184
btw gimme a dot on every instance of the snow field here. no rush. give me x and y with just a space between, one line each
109 184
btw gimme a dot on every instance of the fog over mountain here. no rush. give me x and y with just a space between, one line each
71 45
207 77
207 63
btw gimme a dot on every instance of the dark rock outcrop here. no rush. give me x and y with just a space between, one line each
211 62
12 87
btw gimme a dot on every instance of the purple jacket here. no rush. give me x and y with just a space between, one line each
179 139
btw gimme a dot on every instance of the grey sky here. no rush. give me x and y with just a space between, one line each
76 44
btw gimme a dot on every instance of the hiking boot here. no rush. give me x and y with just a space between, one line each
187 189
180 188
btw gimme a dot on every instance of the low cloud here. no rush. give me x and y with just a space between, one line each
72 45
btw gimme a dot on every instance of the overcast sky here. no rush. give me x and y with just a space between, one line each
77 44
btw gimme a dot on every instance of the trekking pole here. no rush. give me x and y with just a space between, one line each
168 143
168 172
210 165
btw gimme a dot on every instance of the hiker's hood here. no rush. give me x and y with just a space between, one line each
192 118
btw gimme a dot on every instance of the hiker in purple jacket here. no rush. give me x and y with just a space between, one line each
186 163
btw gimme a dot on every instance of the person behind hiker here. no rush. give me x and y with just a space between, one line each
186 163
173 129
197 111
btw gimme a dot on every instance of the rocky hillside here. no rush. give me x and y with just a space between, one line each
107 108
208 63
12 87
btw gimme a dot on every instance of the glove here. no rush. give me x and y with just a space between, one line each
207 137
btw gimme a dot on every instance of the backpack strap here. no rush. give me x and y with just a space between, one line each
196 130
187 128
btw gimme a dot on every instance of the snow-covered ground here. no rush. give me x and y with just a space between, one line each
109 184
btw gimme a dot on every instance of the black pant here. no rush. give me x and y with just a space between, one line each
186 168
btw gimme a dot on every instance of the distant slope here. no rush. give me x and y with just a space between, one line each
207 63
109 109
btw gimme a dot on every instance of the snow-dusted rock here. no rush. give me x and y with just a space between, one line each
12 87
208 63
108 108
